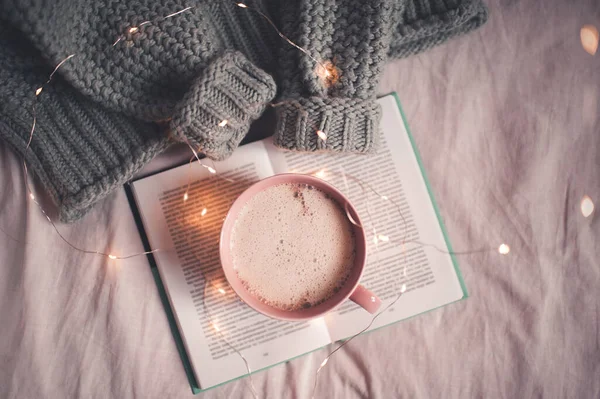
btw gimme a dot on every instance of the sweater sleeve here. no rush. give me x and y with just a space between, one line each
422 24
79 151
94 125
327 98
129 57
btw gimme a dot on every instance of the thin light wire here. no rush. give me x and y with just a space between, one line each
187 188
58 66
178 12
326 360
211 169
32 125
445 251
207 283
12 237
135 29
210 319
284 37
403 242
38 92
105 254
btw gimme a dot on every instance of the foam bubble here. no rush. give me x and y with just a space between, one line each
301 256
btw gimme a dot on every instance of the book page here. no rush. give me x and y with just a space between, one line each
183 209
394 173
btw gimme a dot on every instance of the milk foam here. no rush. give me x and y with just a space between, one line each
292 246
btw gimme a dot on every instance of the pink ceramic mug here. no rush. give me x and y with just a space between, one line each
351 289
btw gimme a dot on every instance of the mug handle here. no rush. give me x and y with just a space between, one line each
366 299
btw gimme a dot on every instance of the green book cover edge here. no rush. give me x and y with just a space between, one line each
187 366
431 196
169 312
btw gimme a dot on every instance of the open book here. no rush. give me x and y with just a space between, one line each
183 209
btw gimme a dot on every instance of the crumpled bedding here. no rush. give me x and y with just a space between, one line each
507 120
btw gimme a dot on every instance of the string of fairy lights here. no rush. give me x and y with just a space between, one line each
325 70
328 74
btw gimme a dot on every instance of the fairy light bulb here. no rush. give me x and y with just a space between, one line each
222 291
242 5
324 362
223 123
503 249
185 196
590 38
320 174
211 170
133 29
38 91
383 238
384 197
587 206
203 212
322 135
327 72
31 196
111 256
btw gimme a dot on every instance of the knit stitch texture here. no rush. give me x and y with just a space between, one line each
230 86
201 77
353 37
80 151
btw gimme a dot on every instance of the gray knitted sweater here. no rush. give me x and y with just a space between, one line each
128 93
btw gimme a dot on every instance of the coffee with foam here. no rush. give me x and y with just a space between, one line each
292 246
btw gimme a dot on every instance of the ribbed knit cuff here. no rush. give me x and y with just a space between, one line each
216 112
328 124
